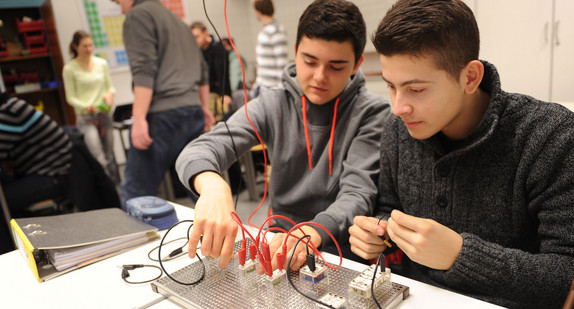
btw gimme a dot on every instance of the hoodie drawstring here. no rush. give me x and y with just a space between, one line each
331 137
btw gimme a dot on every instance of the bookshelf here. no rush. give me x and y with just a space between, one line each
30 57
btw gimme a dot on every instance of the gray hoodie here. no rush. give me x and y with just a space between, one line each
297 192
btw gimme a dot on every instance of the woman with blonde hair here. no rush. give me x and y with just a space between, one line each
90 91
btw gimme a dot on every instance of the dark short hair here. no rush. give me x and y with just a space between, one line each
446 30
334 20
76 38
264 7
198 25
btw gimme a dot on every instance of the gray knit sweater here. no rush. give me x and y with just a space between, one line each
508 189
297 192
163 56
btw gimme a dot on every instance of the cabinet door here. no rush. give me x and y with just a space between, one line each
516 38
563 69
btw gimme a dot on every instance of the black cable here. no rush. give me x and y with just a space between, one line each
128 267
381 257
289 277
222 103
161 263
175 253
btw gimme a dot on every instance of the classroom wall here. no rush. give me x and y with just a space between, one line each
242 24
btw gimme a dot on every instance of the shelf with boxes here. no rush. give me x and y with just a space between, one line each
30 57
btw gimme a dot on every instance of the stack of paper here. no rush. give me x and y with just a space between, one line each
57 244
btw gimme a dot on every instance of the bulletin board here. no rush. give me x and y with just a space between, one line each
104 20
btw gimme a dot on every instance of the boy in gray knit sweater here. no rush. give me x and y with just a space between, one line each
476 185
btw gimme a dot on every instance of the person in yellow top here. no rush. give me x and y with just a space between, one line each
90 91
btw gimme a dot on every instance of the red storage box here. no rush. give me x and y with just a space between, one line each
29 77
11 79
34 40
28 26
38 50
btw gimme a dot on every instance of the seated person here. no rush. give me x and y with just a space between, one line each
40 161
322 133
476 184
36 155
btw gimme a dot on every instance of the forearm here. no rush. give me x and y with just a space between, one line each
142 102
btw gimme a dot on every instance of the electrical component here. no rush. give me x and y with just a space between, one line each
276 278
361 285
247 267
320 273
333 300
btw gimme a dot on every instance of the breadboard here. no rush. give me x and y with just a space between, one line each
233 288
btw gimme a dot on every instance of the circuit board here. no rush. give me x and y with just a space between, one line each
236 287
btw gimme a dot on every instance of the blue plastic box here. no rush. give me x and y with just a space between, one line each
152 210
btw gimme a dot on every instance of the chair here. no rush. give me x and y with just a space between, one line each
249 166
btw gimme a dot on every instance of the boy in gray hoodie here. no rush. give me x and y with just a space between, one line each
322 133
476 184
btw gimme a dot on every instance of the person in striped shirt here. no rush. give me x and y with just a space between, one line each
271 49
35 154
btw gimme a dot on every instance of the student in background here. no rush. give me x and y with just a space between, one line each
235 76
476 184
35 153
324 95
271 49
216 57
90 91
171 90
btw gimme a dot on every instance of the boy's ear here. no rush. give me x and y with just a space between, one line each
472 75
358 64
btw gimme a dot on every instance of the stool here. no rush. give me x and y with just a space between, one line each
247 162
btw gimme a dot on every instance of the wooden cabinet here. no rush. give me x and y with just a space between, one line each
531 43
30 56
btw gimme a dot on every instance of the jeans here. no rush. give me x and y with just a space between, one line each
170 130
99 139
27 190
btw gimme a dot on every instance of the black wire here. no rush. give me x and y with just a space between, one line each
222 96
175 253
127 268
381 256
161 264
289 277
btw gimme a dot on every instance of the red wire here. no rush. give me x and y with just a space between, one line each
247 115
233 214
306 131
332 138
297 226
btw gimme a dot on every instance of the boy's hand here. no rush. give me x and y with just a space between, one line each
366 234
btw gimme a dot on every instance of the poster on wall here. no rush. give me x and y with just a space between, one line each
104 20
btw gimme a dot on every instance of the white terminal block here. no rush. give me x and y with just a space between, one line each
333 300
249 267
314 277
361 285
277 277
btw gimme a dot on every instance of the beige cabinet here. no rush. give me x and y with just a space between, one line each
531 43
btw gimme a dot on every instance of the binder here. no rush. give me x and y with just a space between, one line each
55 245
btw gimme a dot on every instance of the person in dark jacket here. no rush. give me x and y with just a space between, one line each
476 184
